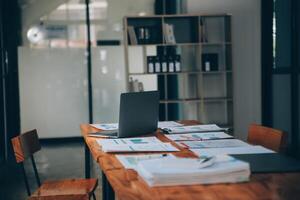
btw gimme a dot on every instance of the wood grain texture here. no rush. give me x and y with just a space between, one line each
16 144
268 137
66 189
25 145
129 186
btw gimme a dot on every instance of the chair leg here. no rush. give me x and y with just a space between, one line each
94 196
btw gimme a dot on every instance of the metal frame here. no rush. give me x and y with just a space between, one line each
90 88
295 68
2 93
107 191
36 174
266 60
25 179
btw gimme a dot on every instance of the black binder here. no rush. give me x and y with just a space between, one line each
270 163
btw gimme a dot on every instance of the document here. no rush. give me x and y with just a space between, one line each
129 141
168 124
188 171
131 161
154 147
194 129
198 136
256 149
106 127
213 144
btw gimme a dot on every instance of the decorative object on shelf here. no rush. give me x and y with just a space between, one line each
210 62
145 34
135 85
132 35
150 64
169 33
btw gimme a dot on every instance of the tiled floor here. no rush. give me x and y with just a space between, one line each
54 161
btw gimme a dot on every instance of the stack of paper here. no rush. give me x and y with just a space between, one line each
198 136
168 124
138 144
193 129
256 149
213 144
106 127
187 171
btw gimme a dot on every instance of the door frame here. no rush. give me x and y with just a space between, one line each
267 62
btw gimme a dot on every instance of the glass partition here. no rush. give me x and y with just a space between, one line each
53 64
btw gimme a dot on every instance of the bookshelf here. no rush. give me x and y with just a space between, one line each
202 86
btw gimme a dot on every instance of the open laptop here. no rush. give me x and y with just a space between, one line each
138 114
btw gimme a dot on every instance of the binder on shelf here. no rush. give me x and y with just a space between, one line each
150 64
210 62
157 65
132 35
177 63
164 64
202 30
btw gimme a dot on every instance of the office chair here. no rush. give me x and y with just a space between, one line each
268 137
25 145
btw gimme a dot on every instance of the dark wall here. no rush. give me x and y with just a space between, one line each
10 111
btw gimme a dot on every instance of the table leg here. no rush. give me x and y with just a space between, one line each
107 191
87 161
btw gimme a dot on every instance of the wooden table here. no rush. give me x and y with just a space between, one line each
127 185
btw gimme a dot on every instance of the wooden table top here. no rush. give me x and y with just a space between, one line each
129 186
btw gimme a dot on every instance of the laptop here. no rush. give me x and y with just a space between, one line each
138 115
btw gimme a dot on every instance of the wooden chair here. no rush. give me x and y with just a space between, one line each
268 137
25 145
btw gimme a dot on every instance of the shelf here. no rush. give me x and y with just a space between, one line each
195 100
182 72
198 38
184 44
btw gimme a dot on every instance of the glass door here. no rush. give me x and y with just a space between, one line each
53 68
281 69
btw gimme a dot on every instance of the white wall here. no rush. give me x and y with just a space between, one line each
246 56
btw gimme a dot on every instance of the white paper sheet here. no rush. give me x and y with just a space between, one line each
106 127
213 144
194 129
156 147
198 136
131 161
129 141
168 124
232 150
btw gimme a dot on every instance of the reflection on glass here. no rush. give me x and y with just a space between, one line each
106 21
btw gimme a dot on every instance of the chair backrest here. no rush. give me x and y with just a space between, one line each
25 145
268 137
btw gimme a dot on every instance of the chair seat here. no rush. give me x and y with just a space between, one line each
75 189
